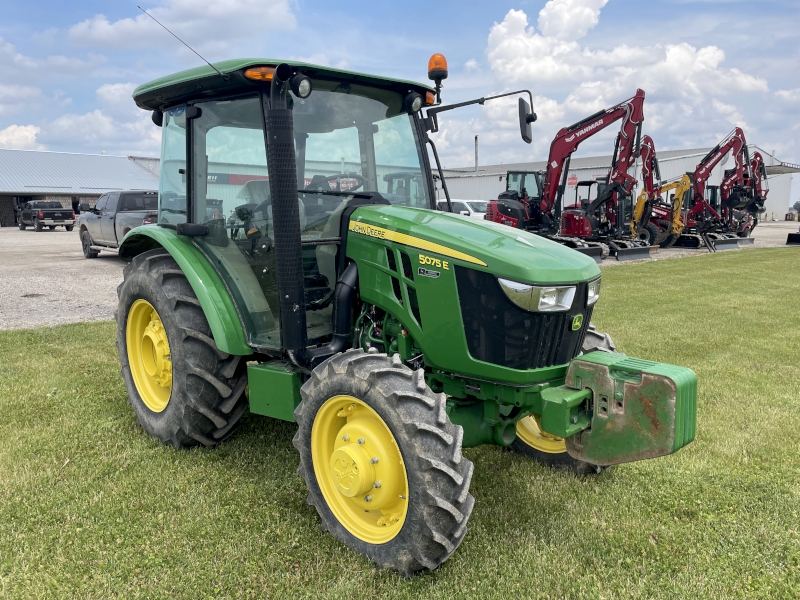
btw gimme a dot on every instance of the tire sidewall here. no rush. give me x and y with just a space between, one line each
414 519
141 285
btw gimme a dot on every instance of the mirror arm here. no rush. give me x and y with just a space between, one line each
432 121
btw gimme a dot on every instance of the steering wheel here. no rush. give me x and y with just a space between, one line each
359 179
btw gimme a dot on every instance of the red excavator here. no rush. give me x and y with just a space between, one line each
595 226
652 227
718 221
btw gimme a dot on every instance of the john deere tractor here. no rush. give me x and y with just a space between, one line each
393 334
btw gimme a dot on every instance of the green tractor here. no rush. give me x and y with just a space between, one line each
394 334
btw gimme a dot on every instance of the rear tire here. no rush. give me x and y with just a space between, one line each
86 244
649 233
206 396
69 227
551 450
432 519
51 227
37 224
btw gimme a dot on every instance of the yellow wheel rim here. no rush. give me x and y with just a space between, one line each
359 469
148 355
530 432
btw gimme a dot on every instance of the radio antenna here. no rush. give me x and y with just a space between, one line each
221 74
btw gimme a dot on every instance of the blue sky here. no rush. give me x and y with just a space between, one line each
67 68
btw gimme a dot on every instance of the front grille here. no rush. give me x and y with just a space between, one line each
501 333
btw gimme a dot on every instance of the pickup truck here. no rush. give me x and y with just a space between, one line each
45 213
114 215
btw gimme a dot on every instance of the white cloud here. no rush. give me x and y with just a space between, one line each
471 64
14 98
211 26
118 126
20 137
694 97
569 20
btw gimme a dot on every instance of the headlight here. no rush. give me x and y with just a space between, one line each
536 298
594 292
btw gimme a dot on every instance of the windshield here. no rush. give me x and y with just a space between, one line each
478 207
352 142
523 183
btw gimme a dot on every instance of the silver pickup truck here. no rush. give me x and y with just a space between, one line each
114 215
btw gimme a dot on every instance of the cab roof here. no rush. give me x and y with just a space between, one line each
203 82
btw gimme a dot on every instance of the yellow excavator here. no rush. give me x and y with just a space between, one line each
651 212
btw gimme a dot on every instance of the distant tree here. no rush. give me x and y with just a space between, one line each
796 206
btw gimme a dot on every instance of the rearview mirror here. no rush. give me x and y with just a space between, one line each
84 207
465 213
526 117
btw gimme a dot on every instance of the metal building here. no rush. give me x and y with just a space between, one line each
67 178
487 182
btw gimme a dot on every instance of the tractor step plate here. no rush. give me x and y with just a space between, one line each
639 409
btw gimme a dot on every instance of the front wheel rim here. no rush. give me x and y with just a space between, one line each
149 355
359 469
530 432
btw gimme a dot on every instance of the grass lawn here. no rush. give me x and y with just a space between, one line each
90 507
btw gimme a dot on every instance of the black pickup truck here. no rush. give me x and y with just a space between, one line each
114 215
45 213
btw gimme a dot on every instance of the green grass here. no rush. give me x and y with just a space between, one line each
90 507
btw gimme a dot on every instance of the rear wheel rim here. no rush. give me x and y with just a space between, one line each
529 431
149 355
359 469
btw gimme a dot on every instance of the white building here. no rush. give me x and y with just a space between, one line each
487 182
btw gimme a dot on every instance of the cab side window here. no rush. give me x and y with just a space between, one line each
101 203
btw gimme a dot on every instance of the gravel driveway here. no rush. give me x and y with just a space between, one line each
45 280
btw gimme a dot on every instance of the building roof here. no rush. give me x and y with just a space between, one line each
25 172
583 162
774 166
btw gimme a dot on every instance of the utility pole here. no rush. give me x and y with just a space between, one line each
476 153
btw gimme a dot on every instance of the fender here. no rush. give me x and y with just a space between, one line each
214 298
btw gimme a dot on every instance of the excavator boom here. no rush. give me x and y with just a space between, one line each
569 138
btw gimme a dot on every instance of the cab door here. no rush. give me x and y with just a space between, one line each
93 219
25 214
107 216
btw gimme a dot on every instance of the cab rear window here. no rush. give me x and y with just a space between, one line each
133 202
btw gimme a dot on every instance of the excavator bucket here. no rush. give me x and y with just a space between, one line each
596 252
746 241
624 252
793 239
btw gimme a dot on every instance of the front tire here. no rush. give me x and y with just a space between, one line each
183 389
86 244
21 225
383 462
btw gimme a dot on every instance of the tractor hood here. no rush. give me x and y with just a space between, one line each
498 249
